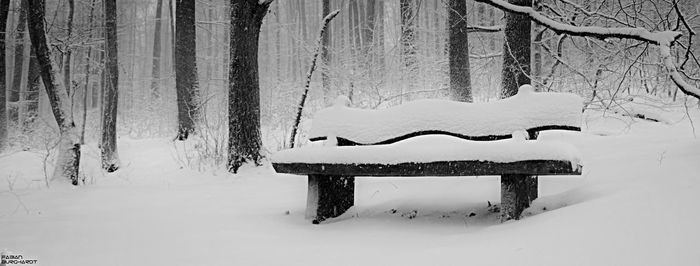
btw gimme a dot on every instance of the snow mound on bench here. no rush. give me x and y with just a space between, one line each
433 148
525 110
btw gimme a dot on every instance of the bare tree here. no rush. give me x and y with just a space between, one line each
244 141
458 49
67 163
664 39
516 51
16 84
110 157
4 10
155 70
186 68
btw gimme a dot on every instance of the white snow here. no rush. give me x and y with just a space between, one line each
525 110
433 148
636 204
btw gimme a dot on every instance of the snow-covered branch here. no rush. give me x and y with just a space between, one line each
663 39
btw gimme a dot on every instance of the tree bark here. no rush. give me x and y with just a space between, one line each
110 157
458 49
31 99
186 68
67 57
4 11
13 111
155 70
516 51
67 163
408 34
244 89
88 59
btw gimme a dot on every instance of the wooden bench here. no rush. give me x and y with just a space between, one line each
436 138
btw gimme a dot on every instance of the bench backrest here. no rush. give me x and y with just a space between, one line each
526 111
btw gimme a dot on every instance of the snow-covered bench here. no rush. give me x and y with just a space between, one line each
436 138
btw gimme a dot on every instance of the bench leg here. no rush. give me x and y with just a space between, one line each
329 196
517 192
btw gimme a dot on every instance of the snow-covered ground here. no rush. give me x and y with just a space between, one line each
637 203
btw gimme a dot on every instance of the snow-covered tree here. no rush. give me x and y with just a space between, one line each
67 163
244 142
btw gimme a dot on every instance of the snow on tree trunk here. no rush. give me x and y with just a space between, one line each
4 10
67 57
186 68
326 57
458 49
244 141
67 163
155 70
516 51
110 158
319 48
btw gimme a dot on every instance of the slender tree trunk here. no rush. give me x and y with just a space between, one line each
186 68
4 11
460 77
516 51
244 89
31 99
110 157
155 70
408 44
67 163
67 57
88 59
326 56
13 111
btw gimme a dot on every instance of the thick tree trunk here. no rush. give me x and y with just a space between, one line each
244 89
458 49
110 157
186 68
155 70
4 11
517 191
13 111
516 51
67 163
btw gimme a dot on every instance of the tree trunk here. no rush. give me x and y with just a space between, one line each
88 59
31 99
516 51
67 163
408 44
517 191
4 11
110 157
458 49
186 68
244 90
326 57
13 110
155 70
67 57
